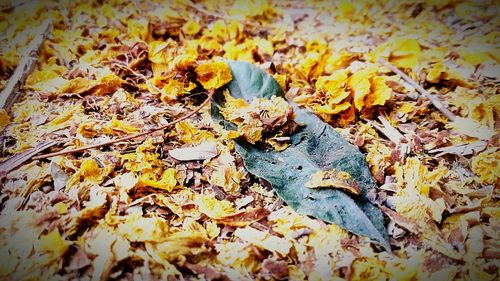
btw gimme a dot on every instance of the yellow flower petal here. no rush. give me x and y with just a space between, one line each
191 27
213 75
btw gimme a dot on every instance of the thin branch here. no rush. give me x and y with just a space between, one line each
205 102
435 101
27 63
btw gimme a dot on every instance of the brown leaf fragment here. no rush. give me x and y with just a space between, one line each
208 272
491 253
437 261
78 261
274 269
203 151
219 194
400 220
57 196
244 218
457 239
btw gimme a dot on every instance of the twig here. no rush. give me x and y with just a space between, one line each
205 102
435 101
6 8
10 93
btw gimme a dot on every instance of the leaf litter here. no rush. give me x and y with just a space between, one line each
182 203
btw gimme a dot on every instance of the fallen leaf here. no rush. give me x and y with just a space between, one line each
203 151
213 75
264 240
316 146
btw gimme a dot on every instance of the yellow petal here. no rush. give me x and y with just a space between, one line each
487 166
61 208
166 182
213 75
380 92
212 207
191 27
116 125
137 28
264 240
405 52
360 85
53 244
4 119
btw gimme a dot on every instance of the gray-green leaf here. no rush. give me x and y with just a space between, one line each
316 146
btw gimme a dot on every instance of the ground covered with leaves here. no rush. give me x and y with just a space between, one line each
179 203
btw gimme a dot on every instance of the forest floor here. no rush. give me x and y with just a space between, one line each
179 203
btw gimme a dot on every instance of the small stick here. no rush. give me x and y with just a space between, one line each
435 101
10 93
107 143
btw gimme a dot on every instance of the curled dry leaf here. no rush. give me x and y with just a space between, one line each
59 177
333 179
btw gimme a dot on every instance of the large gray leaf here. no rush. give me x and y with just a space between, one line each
316 146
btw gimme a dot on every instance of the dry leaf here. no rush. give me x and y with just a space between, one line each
203 151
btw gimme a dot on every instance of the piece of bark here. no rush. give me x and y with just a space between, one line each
27 63
18 159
